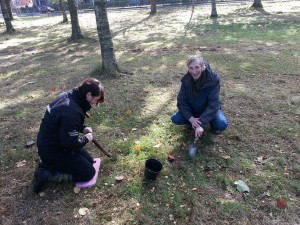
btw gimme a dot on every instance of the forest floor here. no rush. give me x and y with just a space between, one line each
257 56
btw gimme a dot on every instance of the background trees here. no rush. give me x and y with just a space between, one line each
76 32
6 15
62 7
153 7
257 4
214 13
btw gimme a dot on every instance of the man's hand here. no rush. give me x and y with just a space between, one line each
195 122
87 130
198 132
89 136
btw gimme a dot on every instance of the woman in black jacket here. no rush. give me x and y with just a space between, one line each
60 145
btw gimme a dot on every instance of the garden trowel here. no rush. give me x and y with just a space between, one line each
192 148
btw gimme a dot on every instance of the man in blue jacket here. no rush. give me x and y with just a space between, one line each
60 145
198 100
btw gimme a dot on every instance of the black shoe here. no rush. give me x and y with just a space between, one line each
39 180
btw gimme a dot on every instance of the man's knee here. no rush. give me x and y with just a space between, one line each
178 119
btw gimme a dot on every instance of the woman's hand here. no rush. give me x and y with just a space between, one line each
195 122
198 132
87 130
89 136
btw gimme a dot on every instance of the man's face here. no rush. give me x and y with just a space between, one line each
195 69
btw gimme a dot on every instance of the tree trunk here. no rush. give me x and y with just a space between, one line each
153 7
5 13
257 4
109 62
214 13
9 9
62 7
76 32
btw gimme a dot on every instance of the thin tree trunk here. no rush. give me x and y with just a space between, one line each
9 9
76 32
257 4
5 13
109 62
214 13
62 7
153 7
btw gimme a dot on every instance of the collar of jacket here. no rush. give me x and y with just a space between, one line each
82 102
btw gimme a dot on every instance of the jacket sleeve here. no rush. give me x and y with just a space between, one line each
213 103
69 133
182 104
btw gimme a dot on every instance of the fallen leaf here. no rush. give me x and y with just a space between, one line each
52 88
281 203
286 170
133 129
21 163
119 178
208 174
242 186
261 159
121 119
83 211
225 156
53 96
171 157
29 144
171 217
77 190
42 194
137 148
157 145
194 189
11 151
129 112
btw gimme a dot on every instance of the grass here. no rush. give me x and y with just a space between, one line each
255 52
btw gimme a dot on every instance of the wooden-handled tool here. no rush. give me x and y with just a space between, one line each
97 143
101 148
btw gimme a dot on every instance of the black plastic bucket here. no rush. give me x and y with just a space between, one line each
152 169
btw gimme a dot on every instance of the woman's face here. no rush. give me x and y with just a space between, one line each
93 100
195 69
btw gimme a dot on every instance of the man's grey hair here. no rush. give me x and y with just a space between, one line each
196 58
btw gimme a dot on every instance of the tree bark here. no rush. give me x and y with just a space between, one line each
7 20
257 4
214 13
62 7
76 32
153 7
109 62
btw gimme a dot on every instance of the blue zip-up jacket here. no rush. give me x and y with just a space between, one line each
206 105
61 125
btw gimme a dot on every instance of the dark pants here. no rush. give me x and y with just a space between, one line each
79 164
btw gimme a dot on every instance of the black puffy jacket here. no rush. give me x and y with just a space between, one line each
61 125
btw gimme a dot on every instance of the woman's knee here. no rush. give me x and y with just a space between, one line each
85 174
